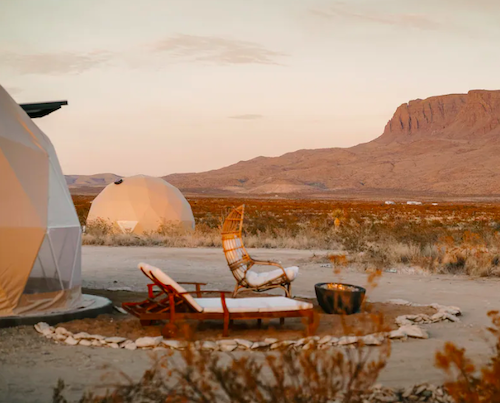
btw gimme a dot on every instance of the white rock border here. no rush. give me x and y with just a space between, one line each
408 328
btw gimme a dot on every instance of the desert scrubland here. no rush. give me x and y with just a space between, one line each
443 238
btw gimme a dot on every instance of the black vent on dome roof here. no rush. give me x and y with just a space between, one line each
118 181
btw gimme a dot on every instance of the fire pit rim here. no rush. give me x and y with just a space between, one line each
331 303
358 287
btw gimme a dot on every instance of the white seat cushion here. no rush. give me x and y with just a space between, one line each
167 280
241 305
257 279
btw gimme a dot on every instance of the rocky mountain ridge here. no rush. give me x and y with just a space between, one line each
448 145
445 144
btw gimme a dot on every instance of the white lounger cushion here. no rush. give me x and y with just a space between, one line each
214 305
167 280
257 279
242 305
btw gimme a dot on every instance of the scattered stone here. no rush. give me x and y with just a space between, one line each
325 339
414 331
71 341
454 310
245 343
346 340
176 344
371 340
270 340
119 289
301 342
397 334
398 301
334 341
282 344
228 347
130 346
143 342
402 320
451 318
418 390
209 345
159 349
438 316
408 391
85 342
96 337
259 344
96 343
81 335
120 309
309 345
60 337
48 331
44 328
123 344
116 340
62 330
113 345
227 342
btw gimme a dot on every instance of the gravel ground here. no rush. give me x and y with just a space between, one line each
30 365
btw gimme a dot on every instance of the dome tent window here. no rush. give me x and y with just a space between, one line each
141 204
119 181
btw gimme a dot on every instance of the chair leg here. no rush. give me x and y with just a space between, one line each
225 333
259 323
236 289
231 322
282 321
289 294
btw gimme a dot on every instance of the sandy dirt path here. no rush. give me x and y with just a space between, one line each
31 365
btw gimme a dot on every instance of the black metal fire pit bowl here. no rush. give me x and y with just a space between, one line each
340 301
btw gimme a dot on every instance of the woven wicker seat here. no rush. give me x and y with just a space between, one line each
240 262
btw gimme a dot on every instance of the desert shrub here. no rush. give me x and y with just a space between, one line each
445 239
100 227
467 383
284 376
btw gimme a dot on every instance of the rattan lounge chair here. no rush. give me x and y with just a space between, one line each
240 262
171 302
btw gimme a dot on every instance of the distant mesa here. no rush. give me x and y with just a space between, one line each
442 145
74 181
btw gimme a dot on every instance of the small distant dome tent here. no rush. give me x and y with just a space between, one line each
140 204
40 235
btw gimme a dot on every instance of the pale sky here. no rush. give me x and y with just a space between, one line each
165 86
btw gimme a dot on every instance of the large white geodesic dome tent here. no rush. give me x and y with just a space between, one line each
40 235
140 204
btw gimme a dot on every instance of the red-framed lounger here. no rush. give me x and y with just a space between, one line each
173 304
